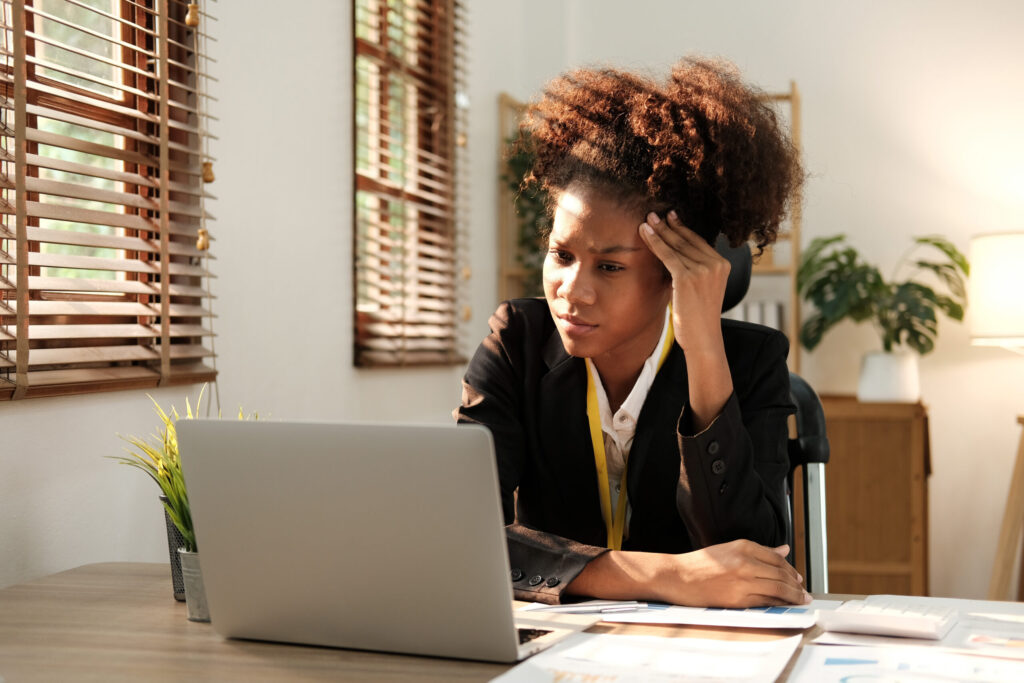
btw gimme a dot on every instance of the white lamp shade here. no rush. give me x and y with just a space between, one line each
995 303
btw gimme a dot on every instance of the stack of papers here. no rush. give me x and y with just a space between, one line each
985 644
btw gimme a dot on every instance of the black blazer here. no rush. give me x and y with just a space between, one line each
686 490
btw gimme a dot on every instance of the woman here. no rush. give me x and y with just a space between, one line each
641 439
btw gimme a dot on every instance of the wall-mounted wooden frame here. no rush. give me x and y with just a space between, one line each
510 269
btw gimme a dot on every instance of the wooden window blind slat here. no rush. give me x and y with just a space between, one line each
90 101
113 309
390 306
65 379
75 214
79 191
91 354
84 76
101 241
86 122
113 331
60 212
93 149
82 29
121 265
96 308
92 285
64 382
37 161
41 39
105 354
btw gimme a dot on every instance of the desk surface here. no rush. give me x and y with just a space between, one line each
118 621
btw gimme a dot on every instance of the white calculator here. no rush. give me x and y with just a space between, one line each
889 617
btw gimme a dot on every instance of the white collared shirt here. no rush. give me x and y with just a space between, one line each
620 428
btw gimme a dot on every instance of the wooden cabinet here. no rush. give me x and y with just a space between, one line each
877 496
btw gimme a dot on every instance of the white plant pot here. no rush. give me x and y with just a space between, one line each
195 590
889 378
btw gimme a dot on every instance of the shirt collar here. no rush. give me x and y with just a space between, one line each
634 403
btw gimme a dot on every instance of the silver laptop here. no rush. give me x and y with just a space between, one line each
375 537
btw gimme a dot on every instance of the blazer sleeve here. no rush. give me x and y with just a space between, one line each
493 395
732 477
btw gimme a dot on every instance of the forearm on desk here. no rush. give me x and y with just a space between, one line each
621 575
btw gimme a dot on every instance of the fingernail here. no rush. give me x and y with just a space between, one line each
673 215
647 229
653 219
807 597
799 578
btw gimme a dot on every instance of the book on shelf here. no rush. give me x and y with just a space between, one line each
762 312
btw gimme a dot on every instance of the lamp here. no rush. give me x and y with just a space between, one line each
996 290
996 318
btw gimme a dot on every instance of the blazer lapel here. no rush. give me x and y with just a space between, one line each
565 435
656 426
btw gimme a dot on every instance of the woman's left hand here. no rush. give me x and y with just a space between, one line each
699 275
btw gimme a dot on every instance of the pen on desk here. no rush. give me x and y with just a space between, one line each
621 608
585 608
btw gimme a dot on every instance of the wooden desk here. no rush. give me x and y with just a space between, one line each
118 622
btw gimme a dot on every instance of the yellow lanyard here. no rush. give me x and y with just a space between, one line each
615 527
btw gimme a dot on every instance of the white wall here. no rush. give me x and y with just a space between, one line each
909 113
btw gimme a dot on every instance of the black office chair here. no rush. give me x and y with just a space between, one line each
808 451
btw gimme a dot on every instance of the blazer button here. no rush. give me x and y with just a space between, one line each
517 574
713 448
536 580
552 582
722 488
718 466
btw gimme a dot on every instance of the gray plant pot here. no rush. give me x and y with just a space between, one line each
174 541
195 592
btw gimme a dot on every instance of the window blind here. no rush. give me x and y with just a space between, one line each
102 282
410 118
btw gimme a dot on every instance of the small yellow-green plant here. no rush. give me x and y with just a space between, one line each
158 457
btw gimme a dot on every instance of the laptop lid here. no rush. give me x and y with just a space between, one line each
378 537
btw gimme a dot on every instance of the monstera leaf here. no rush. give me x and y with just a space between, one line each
835 279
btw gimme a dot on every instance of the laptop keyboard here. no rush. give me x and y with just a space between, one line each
528 634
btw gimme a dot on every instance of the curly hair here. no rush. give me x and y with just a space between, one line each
703 143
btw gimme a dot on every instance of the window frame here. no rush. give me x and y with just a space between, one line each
409 233
174 266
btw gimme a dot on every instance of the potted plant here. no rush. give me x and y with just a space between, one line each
840 284
158 457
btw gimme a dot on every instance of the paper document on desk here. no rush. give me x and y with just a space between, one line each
785 616
985 627
605 658
826 664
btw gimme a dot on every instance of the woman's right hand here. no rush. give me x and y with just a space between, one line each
735 574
